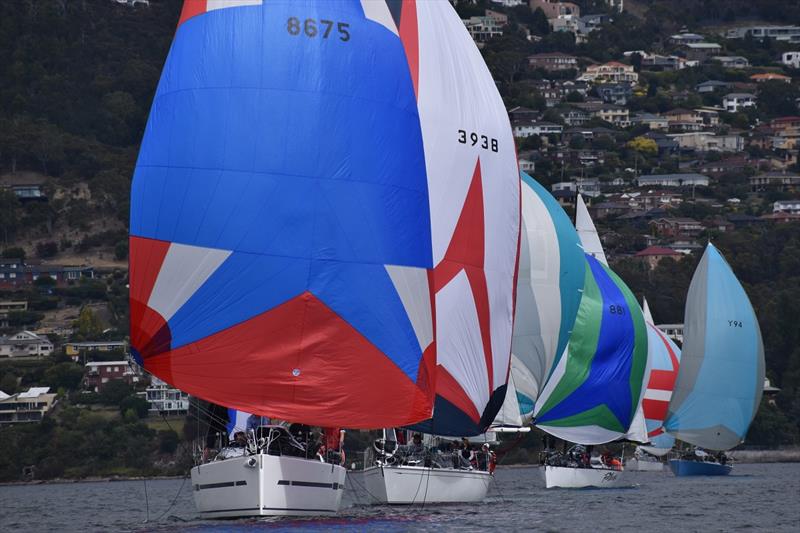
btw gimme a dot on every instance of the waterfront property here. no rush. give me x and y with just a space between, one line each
98 373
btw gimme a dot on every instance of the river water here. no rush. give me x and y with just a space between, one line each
756 497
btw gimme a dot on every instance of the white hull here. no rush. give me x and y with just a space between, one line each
406 485
644 466
578 478
267 485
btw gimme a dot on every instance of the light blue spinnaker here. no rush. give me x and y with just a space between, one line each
549 285
721 377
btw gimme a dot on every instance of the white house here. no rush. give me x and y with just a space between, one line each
672 180
165 399
734 102
526 128
786 206
25 344
791 59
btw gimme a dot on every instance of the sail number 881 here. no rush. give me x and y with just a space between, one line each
309 27
475 139
616 309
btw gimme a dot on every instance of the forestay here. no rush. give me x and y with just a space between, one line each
549 286
284 256
721 376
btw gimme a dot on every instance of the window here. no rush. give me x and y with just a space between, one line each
12 275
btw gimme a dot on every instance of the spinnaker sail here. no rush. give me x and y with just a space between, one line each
721 375
595 389
473 184
549 290
664 357
293 221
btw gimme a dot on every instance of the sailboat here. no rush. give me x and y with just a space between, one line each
473 180
321 233
664 357
595 390
721 377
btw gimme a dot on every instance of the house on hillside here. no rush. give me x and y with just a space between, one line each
25 344
702 51
26 186
17 273
165 399
735 102
777 33
553 61
791 59
734 62
75 349
770 76
611 72
711 86
11 306
786 206
774 180
676 227
26 407
652 255
98 373
672 180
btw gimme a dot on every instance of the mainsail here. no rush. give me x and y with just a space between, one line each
595 389
587 232
313 175
549 290
664 357
721 376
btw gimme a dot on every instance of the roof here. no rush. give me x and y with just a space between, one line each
703 45
12 179
34 392
740 95
713 83
656 251
107 363
94 343
769 76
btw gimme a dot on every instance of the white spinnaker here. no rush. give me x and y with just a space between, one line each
456 93
588 233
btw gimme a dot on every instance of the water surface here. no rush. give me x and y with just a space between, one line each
756 497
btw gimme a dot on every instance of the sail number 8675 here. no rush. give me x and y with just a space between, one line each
309 27
475 139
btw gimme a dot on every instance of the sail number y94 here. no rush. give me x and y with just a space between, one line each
475 139
310 28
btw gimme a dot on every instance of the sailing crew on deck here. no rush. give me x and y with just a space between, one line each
416 447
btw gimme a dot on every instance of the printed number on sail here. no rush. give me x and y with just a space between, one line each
734 324
310 29
616 309
475 139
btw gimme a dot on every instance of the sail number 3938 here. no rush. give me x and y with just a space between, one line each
475 139
310 28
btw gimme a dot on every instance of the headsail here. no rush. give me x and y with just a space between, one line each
594 391
588 233
549 290
282 238
473 180
721 377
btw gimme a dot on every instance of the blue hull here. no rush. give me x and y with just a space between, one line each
681 467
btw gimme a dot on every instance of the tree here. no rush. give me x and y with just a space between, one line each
8 214
540 25
776 98
114 391
136 404
643 145
46 249
88 324
66 375
14 253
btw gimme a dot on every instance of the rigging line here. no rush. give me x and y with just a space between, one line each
175 499
146 501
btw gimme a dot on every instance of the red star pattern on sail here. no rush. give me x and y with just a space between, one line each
466 253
